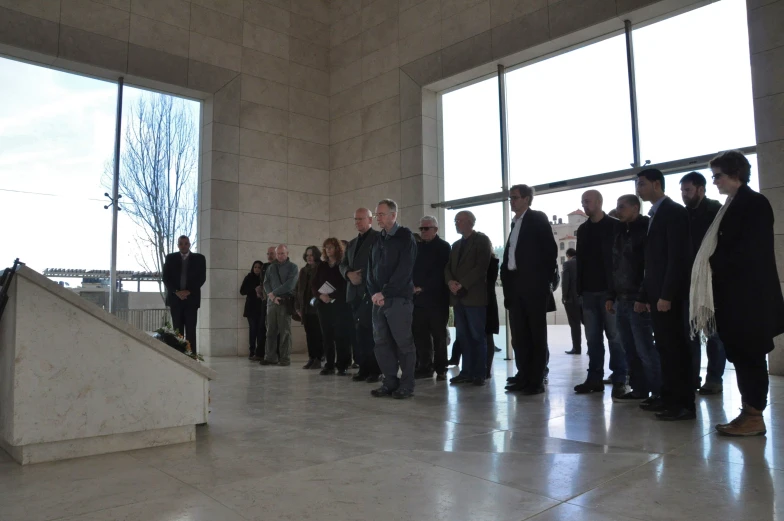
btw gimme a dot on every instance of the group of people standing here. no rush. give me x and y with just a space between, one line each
652 285
655 285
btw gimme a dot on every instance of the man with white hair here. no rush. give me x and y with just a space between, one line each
431 301
391 287
279 284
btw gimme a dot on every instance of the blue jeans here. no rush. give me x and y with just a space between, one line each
717 358
635 331
470 325
597 322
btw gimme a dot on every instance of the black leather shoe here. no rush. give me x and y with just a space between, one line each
355 365
459 379
676 415
530 391
441 377
381 392
402 394
359 377
653 404
373 378
479 382
450 363
515 387
589 387
327 370
342 372
267 362
511 379
573 352
309 364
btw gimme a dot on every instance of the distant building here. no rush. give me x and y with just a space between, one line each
565 233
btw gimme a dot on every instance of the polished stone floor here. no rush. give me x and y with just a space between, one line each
288 444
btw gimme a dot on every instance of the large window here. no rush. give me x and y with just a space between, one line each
694 83
57 143
569 116
472 142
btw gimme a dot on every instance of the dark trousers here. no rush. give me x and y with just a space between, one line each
635 331
528 320
470 322
184 315
457 352
574 314
335 320
313 336
598 324
430 338
675 354
751 370
714 348
365 346
257 335
395 342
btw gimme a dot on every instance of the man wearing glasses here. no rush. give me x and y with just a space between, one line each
390 284
353 267
431 301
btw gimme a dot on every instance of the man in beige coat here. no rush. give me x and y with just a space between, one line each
466 275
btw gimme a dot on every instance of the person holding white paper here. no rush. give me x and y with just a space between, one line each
329 293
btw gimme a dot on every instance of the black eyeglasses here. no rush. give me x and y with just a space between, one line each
425 228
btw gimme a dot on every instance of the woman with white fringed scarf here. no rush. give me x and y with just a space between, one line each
735 288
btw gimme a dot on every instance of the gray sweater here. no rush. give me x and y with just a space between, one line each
281 279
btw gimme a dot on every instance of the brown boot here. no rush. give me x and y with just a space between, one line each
748 423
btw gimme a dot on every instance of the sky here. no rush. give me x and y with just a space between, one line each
56 135
569 116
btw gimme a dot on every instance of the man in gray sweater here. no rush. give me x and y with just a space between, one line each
279 284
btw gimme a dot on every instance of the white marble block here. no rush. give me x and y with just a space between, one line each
77 381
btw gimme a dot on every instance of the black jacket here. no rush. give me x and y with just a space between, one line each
536 257
391 264
700 219
746 290
428 273
606 229
357 259
569 282
254 305
667 255
492 325
628 259
195 279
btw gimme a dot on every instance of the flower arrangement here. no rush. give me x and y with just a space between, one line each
171 337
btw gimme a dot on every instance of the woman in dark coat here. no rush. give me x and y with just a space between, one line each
253 289
333 310
306 311
747 301
492 325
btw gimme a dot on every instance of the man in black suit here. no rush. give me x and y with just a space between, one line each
184 273
353 267
571 301
530 258
666 291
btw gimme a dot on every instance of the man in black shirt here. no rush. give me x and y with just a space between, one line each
431 301
702 212
594 266
635 329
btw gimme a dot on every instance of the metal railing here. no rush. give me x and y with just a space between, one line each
145 319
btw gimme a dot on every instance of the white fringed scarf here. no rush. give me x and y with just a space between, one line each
702 313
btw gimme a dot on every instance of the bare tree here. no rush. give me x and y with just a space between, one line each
158 176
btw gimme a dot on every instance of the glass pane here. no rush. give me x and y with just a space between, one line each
489 220
569 116
55 139
158 180
694 88
472 142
